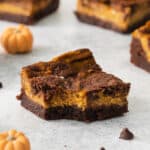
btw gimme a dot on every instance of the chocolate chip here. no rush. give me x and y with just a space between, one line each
102 148
92 96
126 134
1 85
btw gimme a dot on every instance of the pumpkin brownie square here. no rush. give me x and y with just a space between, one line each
140 47
26 11
72 86
123 16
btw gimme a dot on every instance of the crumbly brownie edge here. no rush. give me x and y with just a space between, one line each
31 19
108 25
72 112
138 57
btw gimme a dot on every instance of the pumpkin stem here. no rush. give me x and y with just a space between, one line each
17 31
11 138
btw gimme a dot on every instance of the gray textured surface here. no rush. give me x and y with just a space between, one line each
54 35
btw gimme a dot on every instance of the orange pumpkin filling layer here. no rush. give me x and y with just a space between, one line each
26 8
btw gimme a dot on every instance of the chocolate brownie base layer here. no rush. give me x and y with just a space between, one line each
31 19
138 56
108 25
72 112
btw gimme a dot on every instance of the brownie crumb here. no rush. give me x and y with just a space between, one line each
19 97
126 134
102 148
1 85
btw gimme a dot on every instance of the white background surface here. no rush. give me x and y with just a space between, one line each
59 33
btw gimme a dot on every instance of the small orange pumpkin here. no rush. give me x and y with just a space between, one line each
17 40
14 140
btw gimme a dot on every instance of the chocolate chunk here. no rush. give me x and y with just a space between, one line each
1 85
126 134
102 148
92 96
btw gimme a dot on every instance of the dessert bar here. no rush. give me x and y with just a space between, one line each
26 11
140 47
123 16
72 86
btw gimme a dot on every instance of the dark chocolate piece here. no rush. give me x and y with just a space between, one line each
1 85
138 57
126 134
31 19
102 148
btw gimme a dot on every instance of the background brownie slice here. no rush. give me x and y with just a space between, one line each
140 47
73 86
26 11
120 16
